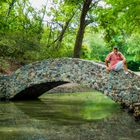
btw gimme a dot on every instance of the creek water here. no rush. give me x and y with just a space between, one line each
76 116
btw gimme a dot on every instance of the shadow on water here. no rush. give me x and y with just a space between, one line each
66 117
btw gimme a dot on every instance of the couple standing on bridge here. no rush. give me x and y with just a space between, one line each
117 61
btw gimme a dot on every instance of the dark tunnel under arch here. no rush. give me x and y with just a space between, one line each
34 91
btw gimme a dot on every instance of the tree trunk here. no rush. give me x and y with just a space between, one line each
80 33
64 28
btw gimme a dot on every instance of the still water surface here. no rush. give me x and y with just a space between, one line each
78 116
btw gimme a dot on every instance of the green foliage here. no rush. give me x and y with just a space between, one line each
85 52
23 35
3 64
97 45
134 65
134 46
126 13
19 32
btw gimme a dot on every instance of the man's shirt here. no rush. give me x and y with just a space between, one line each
114 59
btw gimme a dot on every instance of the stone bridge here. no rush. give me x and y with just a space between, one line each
30 81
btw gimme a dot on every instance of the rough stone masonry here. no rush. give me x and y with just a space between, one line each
32 80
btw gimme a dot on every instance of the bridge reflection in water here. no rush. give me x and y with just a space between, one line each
66 117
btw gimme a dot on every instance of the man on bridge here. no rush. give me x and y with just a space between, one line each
117 61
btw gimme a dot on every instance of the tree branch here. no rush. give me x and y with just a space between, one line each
10 7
